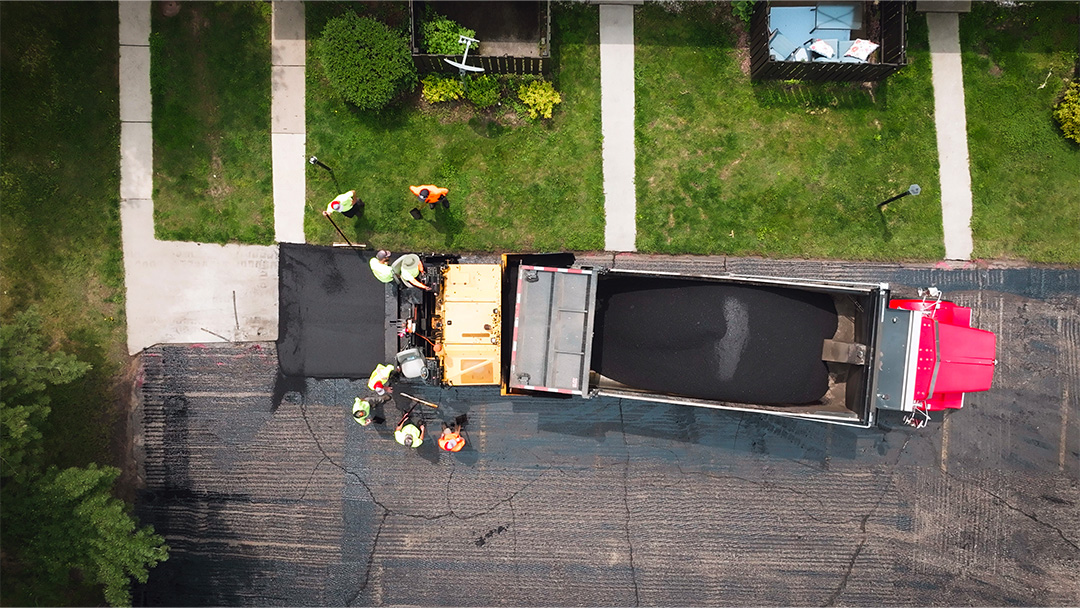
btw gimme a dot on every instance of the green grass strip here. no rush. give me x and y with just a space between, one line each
1025 175
778 169
533 187
210 79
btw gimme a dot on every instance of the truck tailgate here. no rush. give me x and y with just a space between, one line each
553 326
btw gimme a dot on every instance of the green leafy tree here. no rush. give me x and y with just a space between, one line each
68 519
365 61
57 521
27 370
743 9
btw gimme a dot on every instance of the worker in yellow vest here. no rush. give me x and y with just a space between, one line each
408 433
361 411
347 204
380 266
379 381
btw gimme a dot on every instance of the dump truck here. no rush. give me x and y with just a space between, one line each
824 350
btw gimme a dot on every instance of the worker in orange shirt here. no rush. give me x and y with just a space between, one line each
430 195
451 439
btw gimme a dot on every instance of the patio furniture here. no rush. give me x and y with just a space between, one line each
838 17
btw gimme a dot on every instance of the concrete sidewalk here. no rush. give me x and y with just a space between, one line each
617 116
951 122
287 128
178 292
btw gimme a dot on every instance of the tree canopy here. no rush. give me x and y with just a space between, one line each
56 521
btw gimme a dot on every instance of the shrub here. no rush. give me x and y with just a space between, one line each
367 63
483 90
438 89
440 35
1067 112
743 9
540 97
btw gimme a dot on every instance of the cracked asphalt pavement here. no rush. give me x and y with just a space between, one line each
616 502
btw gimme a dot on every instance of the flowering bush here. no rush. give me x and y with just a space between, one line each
540 97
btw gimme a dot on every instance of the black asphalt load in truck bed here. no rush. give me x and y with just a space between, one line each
332 313
714 341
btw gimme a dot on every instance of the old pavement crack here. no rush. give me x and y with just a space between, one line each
371 493
862 527
626 505
1030 516
311 476
370 560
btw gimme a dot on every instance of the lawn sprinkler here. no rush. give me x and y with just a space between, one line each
913 190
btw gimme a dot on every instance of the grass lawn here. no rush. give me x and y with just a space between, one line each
60 221
524 187
777 169
1025 175
210 80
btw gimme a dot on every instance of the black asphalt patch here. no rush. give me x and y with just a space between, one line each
332 313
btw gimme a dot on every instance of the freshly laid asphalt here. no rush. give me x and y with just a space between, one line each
611 502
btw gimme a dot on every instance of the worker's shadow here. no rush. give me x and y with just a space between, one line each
447 222
362 228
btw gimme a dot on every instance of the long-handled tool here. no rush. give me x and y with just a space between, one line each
354 247
418 400
406 415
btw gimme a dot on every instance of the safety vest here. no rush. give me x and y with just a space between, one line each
342 203
383 272
451 442
434 192
405 431
381 375
363 408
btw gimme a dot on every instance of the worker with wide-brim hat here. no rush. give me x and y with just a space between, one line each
407 268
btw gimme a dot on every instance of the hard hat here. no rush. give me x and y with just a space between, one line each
335 204
424 193
408 440
382 255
